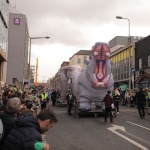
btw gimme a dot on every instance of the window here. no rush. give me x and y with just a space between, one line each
140 63
78 60
148 60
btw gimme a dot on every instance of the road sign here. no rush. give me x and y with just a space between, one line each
133 70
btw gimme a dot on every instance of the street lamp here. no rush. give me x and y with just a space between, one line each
119 17
129 41
32 38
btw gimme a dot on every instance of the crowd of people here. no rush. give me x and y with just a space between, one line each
129 97
139 99
24 117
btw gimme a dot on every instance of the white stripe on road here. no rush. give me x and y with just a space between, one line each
138 125
130 140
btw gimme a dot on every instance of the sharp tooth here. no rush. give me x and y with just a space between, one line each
101 84
69 81
94 78
106 79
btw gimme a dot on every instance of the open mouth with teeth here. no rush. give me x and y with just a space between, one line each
100 75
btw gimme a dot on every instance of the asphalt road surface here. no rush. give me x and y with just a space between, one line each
128 132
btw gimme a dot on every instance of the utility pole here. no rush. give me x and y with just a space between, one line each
129 44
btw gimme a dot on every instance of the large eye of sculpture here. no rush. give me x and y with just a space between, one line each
95 53
107 54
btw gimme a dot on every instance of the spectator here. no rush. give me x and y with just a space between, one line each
117 99
108 102
53 97
133 99
141 101
70 99
1 102
122 95
127 98
148 98
25 111
8 117
28 130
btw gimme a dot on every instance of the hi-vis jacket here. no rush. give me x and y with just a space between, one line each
44 96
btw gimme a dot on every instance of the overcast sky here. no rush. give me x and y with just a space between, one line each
75 25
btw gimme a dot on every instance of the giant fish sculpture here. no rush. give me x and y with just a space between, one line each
93 82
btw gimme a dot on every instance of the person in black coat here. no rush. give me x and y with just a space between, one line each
108 106
70 99
8 117
24 135
141 101
28 130
53 97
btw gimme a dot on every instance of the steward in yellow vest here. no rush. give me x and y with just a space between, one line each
44 97
43 100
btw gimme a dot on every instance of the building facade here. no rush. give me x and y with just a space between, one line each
142 63
4 17
78 58
122 63
18 38
123 58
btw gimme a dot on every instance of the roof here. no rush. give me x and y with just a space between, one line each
82 52
143 39
64 63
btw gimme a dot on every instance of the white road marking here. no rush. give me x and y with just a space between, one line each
138 125
116 127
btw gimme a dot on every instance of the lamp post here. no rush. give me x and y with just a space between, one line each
129 41
30 39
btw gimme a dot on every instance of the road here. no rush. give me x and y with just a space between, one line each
128 132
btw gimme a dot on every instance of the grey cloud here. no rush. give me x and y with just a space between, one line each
80 11
66 20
